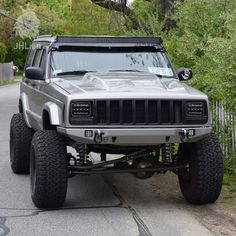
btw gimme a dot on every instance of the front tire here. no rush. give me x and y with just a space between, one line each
48 169
20 141
201 182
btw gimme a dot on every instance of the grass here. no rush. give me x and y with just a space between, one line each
230 173
228 194
229 184
12 81
230 165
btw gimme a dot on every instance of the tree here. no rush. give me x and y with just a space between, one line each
88 18
163 8
207 42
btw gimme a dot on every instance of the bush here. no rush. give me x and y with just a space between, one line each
230 165
3 52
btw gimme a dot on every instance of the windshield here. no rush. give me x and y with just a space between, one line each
80 62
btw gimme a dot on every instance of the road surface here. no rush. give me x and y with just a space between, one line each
101 205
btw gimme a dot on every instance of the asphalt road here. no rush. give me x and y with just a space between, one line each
100 205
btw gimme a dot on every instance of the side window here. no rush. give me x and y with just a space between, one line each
29 58
37 57
43 60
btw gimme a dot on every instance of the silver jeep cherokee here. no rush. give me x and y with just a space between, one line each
111 95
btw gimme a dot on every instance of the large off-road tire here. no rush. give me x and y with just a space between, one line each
48 169
20 141
202 181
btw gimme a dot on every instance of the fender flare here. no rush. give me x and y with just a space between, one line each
54 111
25 107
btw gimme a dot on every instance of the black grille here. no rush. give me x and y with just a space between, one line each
141 112
138 112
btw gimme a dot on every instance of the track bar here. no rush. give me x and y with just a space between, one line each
113 170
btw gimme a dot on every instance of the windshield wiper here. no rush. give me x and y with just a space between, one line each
75 72
131 70
165 76
158 75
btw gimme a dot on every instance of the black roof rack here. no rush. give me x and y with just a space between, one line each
108 40
44 36
60 42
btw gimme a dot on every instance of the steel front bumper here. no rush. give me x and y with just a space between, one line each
134 136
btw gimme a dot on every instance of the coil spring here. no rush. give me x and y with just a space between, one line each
167 152
82 153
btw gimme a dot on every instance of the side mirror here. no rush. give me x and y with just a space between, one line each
184 74
34 73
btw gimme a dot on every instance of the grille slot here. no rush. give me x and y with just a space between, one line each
127 112
178 112
101 112
165 112
140 111
114 112
152 111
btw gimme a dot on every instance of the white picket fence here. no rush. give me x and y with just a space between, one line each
224 124
6 71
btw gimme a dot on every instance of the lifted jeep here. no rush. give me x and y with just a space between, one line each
111 95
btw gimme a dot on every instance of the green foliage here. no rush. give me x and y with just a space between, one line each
3 52
17 52
59 8
55 17
230 165
143 9
147 14
230 189
51 22
204 40
6 82
216 70
90 19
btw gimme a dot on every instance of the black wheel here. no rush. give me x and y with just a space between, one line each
48 169
20 141
201 182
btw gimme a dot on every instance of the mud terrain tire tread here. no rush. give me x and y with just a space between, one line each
21 135
206 170
49 152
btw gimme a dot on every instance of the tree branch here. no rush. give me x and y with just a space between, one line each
120 6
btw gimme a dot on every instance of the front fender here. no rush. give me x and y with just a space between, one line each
55 113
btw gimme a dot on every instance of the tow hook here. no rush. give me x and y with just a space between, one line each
98 136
